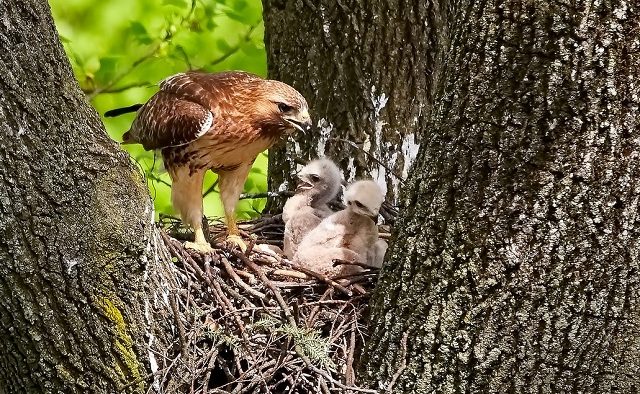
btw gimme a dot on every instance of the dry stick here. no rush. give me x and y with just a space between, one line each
290 273
250 277
322 278
239 323
213 354
331 379
323 386
240 282
314 312
403 365
342 321
263 260
316 275
181 334
267 282
231 291
354 145
170 367
337 262
255 381
220 294
350 378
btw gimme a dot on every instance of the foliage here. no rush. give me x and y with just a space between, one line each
121 49
309 342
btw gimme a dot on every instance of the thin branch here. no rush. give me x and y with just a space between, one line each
246 38
355 146
403 365
119 89
211 189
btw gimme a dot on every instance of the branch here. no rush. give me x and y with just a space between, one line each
354 145
246 38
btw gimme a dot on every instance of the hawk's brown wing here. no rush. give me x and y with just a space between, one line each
184 108
166 120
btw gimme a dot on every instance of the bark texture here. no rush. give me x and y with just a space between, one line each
516 261
365 67
77 240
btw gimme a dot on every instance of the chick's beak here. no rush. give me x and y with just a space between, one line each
303 185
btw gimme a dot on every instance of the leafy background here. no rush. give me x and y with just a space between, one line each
121 49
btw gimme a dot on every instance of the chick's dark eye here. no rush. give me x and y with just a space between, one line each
284 107
359 204
315 178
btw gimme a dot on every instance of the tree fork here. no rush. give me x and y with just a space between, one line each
366 67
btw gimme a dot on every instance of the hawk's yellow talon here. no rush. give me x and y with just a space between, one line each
200 247
238 241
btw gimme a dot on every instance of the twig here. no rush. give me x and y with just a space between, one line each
119 89
247 196
354 145
403 365
229 269
357 263
176 316
213 354
290 273
235 48
323 278
267 282
350 376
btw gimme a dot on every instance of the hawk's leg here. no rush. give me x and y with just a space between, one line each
231 185
200 242
186 196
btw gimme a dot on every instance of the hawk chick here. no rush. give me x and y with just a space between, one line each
318 183
350 234
218 122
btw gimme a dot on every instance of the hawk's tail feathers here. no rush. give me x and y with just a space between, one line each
126 139
121 111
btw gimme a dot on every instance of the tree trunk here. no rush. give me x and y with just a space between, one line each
516 260
365 66
78 245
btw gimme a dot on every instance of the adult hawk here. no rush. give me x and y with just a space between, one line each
218 122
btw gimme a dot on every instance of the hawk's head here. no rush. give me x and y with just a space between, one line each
281 108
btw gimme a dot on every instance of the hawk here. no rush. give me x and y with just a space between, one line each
219 122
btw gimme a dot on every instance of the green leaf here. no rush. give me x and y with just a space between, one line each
139 33
107 70
176 3
222 45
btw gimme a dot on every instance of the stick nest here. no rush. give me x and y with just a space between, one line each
256 322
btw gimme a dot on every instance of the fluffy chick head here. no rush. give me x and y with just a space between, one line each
364 198
320 178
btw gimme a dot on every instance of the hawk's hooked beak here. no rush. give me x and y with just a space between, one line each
300 122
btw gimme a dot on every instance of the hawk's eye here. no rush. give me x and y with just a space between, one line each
359 204
284 107
315 178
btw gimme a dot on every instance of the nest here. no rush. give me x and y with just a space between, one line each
255 322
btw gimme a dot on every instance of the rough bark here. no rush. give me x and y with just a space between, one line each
365 66
77 239
515 266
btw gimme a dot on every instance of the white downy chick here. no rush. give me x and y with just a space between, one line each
375 257
350 234
318 183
